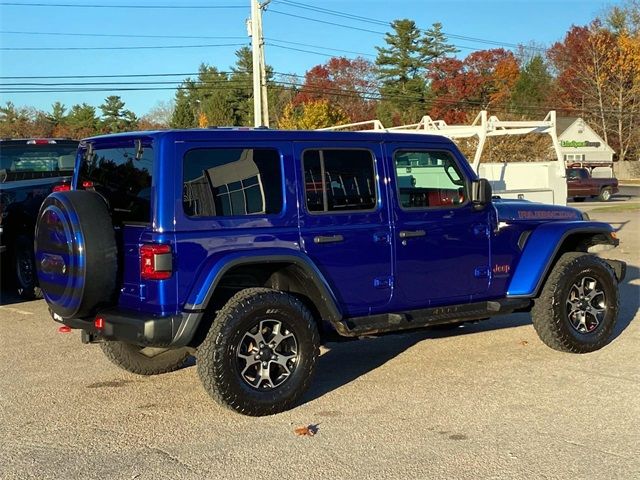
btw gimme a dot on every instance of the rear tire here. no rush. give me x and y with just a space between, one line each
260 353
605 194
578 307
144 360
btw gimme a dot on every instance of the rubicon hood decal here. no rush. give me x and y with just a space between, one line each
514 210
548 215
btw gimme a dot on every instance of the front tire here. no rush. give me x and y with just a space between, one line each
260 353
578 307
144 360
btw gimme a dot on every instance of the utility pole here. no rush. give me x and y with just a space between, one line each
260 103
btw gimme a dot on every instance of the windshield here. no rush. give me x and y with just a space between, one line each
44 160
123 177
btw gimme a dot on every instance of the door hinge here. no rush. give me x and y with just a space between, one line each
383 282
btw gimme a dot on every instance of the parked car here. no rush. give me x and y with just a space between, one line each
580 185
249 247
30 169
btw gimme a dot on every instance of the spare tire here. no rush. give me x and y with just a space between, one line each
76 253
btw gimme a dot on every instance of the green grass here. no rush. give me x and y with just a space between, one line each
627 207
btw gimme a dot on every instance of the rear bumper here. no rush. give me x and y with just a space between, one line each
140 329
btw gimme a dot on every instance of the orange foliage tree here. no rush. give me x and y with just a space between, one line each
311 115
483 80
345 83
599 79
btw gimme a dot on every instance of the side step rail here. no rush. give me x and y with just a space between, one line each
387 322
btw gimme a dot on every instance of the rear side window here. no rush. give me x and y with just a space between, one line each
123 177
224 182
339 180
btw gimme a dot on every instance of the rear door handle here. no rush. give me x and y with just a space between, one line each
412 233
328 239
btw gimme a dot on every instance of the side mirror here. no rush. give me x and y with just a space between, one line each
481 193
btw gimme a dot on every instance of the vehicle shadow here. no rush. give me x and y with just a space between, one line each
346 361
629 300
7 297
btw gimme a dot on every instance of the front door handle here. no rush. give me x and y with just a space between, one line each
412 233
328 239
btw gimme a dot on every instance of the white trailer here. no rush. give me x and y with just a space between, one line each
543 182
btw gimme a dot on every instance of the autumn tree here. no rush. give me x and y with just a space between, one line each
599 78
311 115
402 68
483 80
15 121
346 83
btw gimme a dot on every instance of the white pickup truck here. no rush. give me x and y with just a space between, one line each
543 181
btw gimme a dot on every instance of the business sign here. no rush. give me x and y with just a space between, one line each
578 144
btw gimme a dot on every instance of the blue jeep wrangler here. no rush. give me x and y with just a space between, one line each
246 247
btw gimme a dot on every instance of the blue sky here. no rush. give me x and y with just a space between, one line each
502 21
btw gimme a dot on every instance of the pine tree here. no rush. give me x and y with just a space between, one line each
58 113
403 66
533 86
183 114
115 118
82 120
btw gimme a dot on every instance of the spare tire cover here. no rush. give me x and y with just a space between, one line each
76 253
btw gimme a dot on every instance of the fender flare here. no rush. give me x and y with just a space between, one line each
541 250
200 296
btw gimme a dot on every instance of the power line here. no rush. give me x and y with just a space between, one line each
120 35
145 47
132 75
336 13
385 23
326 22
270 43
110 35
462 104
334 92
142 7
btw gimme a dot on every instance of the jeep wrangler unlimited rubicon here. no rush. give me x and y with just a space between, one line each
247 247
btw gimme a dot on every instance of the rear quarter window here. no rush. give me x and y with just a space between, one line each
226 182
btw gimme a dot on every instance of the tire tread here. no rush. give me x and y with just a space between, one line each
546 320
211 353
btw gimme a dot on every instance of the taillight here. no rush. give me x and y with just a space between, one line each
156 262
40 141
87 184
62 187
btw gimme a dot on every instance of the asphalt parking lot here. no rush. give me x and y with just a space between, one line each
488 400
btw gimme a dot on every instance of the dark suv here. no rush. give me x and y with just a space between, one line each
30 169
248 247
